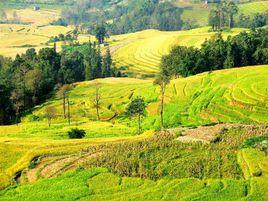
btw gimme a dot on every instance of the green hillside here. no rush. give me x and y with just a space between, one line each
233 96
100 184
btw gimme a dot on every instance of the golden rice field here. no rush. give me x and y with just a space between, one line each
38 18
141 52
16 39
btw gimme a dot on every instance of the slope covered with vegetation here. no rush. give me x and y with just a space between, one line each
218 174
232 96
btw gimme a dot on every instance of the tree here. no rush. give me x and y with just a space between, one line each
107 64
214 19
162 81
101 33
17 99
88 60
50 113
137 108
231 9
63 94
3 16
259 21
96 100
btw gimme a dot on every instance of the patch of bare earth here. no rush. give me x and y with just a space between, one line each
204 134
51 166
55 167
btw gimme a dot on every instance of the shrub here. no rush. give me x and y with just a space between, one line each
76 133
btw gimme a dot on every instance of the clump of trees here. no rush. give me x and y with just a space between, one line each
245 49
61 37
223 16
258 20
30 78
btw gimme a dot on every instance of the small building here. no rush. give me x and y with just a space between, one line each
36 8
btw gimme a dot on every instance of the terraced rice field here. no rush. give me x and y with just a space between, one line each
233 96
16 39
100 184
140 53
254 7
38 18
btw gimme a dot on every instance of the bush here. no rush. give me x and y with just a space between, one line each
76 133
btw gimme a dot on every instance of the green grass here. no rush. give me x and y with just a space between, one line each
253 7
102 184
234 95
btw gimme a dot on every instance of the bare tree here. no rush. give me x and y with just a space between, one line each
162 81
96 100
63 94
50 113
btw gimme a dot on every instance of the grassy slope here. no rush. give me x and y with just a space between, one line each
141 52
234 95
99 184
200 12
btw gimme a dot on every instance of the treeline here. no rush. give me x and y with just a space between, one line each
31 77
124 18
247 48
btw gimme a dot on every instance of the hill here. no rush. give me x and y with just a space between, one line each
140 53
231 96
237 174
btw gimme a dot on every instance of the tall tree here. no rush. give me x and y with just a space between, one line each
101 33
97 98
231 10
162 81
107 64
63 94
137 108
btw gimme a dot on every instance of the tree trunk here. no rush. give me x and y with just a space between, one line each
162 108
49 122
68 108
139 124
64 110
97 110
231 21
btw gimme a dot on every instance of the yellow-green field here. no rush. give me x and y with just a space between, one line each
141 52
28 15
199 12
16 39
234 95
254 7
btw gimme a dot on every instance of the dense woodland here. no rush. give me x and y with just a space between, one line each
152 14
245 49
31 77
123 18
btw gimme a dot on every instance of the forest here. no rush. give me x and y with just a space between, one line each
30 78
245 49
